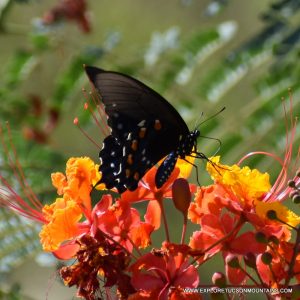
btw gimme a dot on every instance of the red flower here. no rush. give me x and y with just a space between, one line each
147 190
219 233
164 274
73 10
281 269
123 224
98 257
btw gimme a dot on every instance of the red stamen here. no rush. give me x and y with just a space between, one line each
76 122
100 108
19 171
279 189
8 197
101 122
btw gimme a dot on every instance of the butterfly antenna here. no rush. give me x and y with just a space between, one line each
211 117
198 119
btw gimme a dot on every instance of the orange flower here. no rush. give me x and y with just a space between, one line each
207 201
123 224
63 217
81 175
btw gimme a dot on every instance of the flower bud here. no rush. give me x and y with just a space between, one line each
296 199
292 183
219 279
267 258
273 239
293 193
181 195
250 260
232 261
261 238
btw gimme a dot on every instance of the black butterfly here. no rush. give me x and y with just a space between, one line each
144 128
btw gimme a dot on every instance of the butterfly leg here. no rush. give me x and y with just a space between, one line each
196 167
214 165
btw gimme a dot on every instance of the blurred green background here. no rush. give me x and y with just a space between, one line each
200 55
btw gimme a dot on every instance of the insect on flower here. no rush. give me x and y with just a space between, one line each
144 129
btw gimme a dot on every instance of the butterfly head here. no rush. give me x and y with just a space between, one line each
186 146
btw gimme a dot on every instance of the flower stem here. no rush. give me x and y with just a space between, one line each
160 202
293 260
225 237
183 229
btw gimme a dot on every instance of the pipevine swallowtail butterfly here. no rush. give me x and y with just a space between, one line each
144 129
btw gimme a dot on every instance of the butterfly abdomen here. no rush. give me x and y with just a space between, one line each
165 169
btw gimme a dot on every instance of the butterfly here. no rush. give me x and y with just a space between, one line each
145 128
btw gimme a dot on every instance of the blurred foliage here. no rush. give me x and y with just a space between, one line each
12 294
200 64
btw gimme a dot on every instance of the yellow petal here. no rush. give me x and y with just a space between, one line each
244 182
282 212
185 167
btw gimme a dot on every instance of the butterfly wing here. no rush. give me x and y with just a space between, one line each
145 128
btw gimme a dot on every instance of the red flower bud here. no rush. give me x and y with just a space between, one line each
267 258
261 238
181 195
273 239
250 260
232 261
219 279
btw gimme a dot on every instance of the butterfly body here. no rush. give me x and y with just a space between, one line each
144 129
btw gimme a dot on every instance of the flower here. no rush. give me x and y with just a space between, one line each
123 224
283 213
240 216
147 190
208 200
282 266
64 215
243 184
81 175
163 274
219 234
62 218
97 257
246 192
73 10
